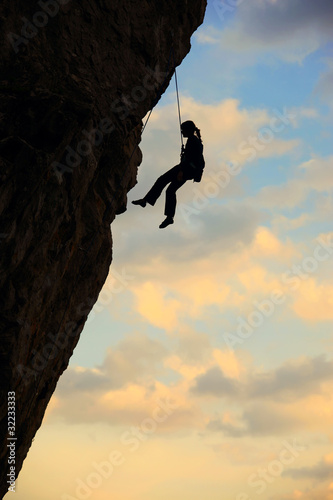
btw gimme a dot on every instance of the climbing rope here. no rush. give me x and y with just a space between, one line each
178 104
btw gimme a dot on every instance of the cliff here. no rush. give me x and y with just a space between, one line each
76 80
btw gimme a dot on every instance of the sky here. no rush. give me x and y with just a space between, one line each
205 369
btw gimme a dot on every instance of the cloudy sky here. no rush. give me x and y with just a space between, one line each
205 369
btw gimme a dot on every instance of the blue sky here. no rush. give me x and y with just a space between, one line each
262 236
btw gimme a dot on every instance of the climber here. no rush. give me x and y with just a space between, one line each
191 166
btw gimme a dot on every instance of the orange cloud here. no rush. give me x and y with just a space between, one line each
155 307
314 302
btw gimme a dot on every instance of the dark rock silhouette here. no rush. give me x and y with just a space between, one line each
76 80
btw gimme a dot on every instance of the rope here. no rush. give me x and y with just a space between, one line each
177 92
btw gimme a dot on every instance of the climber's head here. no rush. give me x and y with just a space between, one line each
188 129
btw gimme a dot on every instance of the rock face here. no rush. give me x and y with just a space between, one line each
76 80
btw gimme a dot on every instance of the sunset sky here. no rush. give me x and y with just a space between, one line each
205 370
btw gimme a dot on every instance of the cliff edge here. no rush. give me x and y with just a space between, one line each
76 80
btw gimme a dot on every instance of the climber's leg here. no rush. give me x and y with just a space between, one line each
160 184
170 197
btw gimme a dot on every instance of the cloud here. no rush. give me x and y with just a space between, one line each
82 380
193 279
214 382
271 20
129 405
195 284
259 419
128 385
266 243
291 29
314 175
207 35
322 471
215 359
196 235
321 493
283 224
193 347
262 419
217 227
133 359
291 381
125 389
324 86
314 302
154 305
227 428
139 372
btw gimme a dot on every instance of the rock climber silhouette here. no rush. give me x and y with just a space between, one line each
191 166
